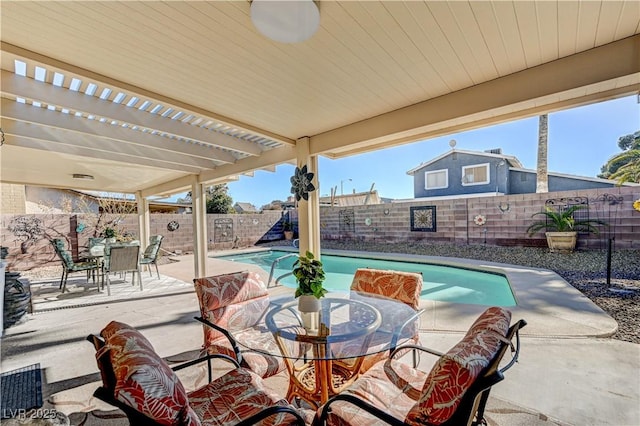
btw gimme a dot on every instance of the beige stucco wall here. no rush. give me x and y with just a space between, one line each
12 198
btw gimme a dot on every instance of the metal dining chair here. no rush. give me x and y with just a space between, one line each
68 265
122 258
151 253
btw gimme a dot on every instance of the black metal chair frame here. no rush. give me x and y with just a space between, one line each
473 403
106 393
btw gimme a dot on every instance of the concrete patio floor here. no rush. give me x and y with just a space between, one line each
565 376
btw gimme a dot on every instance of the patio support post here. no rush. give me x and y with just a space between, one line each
309 210
144 227
199 209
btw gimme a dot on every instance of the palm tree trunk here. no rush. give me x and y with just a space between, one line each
542 177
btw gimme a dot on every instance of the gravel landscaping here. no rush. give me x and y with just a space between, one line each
586 270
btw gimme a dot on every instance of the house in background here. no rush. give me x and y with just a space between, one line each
462 172
245 208
26 199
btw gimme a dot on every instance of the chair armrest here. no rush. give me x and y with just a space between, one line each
416 347
225 332
272 411
207 358
516 351
382 415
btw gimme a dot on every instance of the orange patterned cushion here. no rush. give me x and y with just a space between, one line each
260 363
456 371
222 290
403 286
144 381
234 397
376 388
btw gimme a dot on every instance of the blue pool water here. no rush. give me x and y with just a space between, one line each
443 283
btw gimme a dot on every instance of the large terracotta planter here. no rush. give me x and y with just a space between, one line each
562 242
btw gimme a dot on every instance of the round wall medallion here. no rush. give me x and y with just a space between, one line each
386 212
367 221
173 225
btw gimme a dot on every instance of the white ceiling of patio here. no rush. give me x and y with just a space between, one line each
146 95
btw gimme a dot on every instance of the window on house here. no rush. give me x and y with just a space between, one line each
436 179
476 174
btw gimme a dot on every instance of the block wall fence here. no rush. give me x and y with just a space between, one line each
507 218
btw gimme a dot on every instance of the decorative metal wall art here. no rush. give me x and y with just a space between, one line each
347 221
223 230
504 207
173 226
562 204
301 183
423 218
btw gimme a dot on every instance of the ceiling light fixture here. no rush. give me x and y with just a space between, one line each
82 176
292 21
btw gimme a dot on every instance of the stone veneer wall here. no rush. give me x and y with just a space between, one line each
387 222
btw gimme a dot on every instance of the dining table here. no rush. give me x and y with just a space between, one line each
324 350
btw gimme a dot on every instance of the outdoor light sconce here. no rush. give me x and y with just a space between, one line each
291 21
82 176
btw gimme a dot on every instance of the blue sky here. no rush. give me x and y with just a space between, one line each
580 142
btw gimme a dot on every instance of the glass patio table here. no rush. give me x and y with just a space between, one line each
325 356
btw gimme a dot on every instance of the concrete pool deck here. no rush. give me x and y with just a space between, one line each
550 305
562 378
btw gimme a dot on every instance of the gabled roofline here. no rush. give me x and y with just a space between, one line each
514 162
569 176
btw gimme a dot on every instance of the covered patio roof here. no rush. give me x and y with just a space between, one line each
156 98
148 96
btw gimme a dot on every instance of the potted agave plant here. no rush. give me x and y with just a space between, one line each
561 228
310 277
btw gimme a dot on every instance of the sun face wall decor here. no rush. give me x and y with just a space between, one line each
423 219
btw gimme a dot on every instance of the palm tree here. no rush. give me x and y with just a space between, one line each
542 176
630 172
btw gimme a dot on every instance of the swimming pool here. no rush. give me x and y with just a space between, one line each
442 283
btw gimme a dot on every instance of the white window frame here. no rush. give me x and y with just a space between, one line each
473 166
430 172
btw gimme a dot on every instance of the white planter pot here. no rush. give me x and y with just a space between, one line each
309 307
308 303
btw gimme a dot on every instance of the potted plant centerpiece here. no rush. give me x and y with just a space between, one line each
310 277
109 234
561 228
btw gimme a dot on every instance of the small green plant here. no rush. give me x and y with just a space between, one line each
563 221
287 226
309 276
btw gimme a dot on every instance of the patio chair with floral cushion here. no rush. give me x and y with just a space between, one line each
140 383
403 286
454 392
224 306
151 253
69 266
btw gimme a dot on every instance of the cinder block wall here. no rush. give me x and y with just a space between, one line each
25 254
507 220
